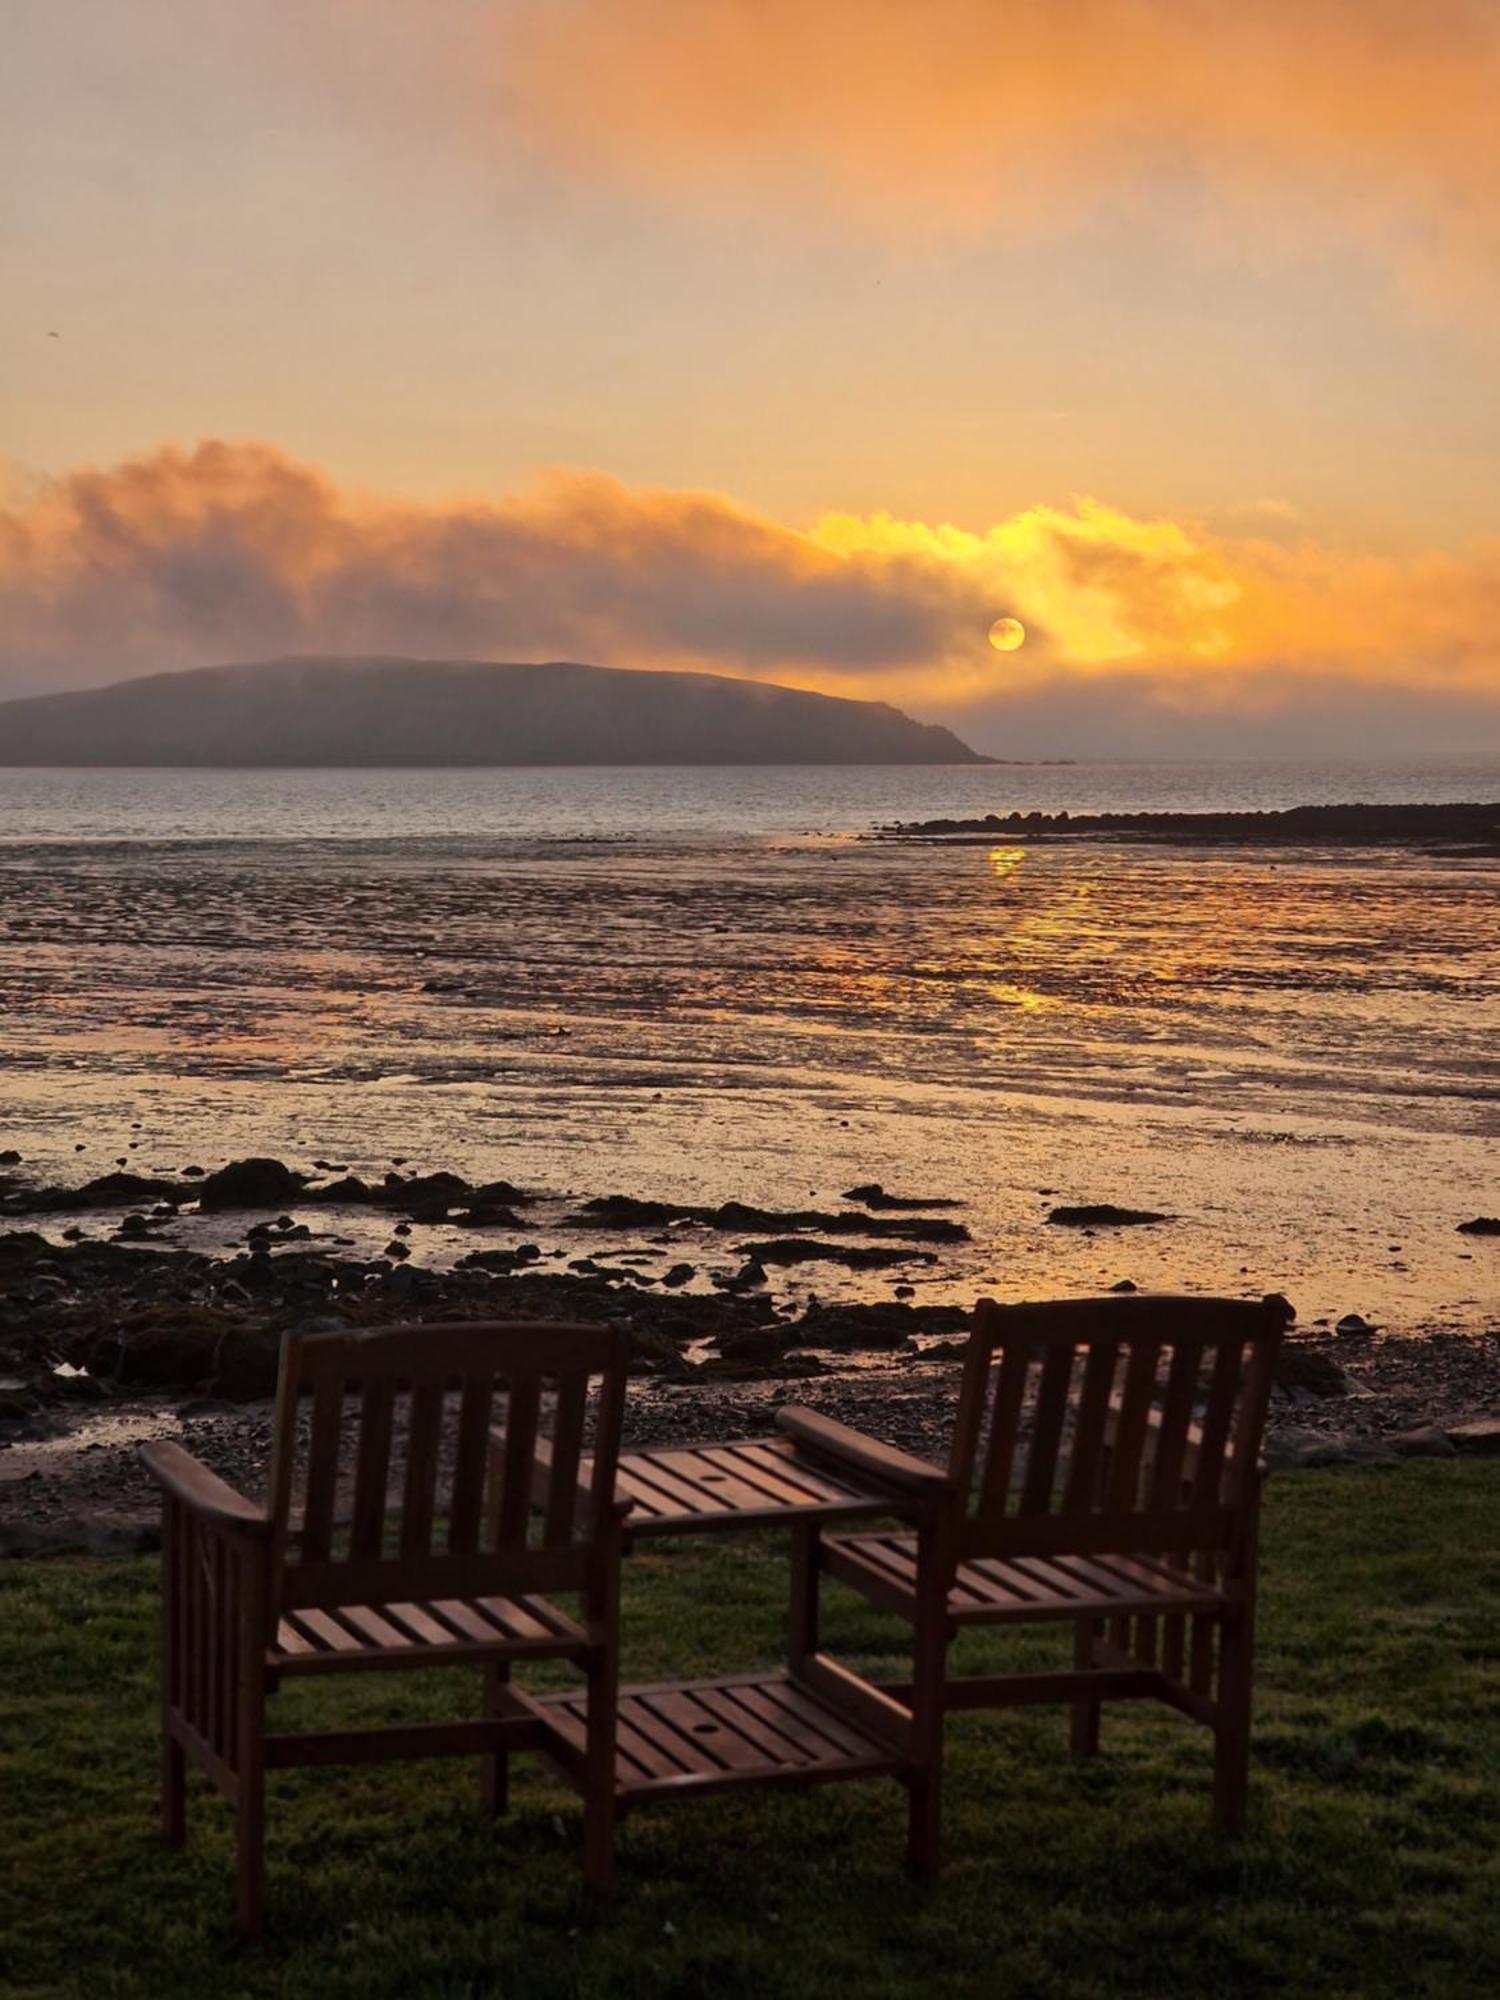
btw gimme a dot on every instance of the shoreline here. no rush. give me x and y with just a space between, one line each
104 1343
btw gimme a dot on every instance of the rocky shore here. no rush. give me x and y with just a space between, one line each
106 1340
1472 829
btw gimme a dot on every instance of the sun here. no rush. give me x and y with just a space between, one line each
1006 634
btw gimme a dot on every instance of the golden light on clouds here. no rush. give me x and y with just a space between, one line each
235 550
1007 635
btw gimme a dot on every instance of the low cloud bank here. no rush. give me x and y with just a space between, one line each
1176 634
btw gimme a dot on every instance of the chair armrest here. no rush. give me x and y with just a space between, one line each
202 1492
851 1449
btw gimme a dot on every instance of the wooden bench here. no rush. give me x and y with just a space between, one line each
1104 1473
443 1554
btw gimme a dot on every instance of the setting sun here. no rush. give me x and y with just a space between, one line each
1007 635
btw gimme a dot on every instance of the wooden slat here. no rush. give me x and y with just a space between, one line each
521 1407
1085 1470
1172 1431
418 1624
371 1471
1046 1431
815 1484
423 1436
717 1485
471 1456
325 1633
710 1735
1130 1435
374 1629
324 1437
1010 1391
1218 1414
565 1447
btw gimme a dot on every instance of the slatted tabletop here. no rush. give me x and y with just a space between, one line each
698 1736
764 1483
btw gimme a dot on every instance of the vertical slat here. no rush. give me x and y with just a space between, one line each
1130 1435
322 1470
423 1434
1250 1423
520 1453
970 1416
567 1445
1176 1416
466 1508
202 1630
371 1470
1046 1429
1085 1470
1218 1414
214 1729
1010 1390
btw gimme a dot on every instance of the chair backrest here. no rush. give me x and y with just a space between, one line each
446 1492
1124 1424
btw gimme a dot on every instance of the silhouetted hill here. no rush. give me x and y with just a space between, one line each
388 711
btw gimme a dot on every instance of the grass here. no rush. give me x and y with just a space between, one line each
1371 1865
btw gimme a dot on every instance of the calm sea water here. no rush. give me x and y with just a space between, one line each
703 985
577 802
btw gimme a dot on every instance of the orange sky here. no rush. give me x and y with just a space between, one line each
1168 329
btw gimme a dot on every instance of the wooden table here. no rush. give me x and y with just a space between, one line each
681 1738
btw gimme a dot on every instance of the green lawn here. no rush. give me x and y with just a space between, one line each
1372 1863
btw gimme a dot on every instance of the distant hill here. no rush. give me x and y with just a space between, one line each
414 712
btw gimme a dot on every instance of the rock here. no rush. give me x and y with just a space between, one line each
756 1343
1124 1285
1480 1437
246 1363
135 1225
397 1249
1104 1215
485 1215
1427 1441
680 1274
10 1157
1482 1225
1353 1323
254 1183
1304 1371
873 1195
856 1256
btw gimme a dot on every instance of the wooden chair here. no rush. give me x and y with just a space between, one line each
435 1558
1105 1473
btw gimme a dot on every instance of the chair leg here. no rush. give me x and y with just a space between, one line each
250 1850
802 1607
1232 1729
173 1789
599 1776
929 1672
494 1765
1085 1723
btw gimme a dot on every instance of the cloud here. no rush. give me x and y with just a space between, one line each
235 549
238 551
1367 119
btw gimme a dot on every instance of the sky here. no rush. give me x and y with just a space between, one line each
791 338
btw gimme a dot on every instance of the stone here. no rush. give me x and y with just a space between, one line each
1124 1285
254 1183
1427 1441
1482 1225
1304 1371
1104 1215
1480 1436
1353 1323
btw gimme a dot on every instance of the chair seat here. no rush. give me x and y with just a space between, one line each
993 1589
442 1631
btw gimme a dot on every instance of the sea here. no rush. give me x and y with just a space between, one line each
702 985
